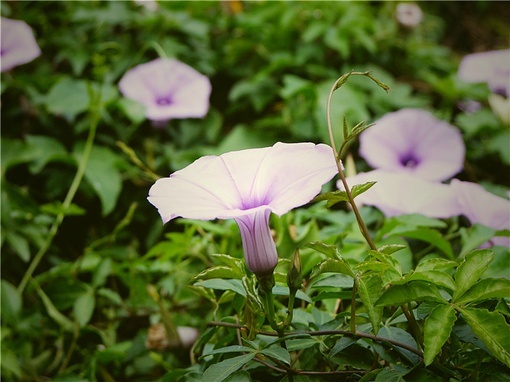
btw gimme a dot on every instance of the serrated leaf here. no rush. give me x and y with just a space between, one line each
492 329
469 271
330 251
486 289
358 189
220 371
438 326
412 291
220 284
219 272
335 266
232 262
436 277
370 288
391 248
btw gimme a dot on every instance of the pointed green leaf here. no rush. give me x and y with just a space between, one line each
84 307
402 336
486 289
220 371
52 311
469 271
492 329
436 264
438 326
232 262
430 236
358 189
391 248
277 353
345 129
229 349
436 277
412 291
330 251
219 272
338 196
220 284
335 266
370 288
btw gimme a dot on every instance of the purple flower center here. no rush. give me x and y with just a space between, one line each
164 101
409 160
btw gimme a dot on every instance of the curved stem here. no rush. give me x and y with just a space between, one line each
69 197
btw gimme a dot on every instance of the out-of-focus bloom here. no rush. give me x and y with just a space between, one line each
409 14
150 5
414 141
169 89
157 337
402 193
247 186
501 107
492 67
18 45
483 207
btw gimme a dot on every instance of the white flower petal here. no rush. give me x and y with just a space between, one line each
18 44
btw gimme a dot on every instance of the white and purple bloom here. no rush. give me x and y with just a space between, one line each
492 67
483 207
403 193
247 186
414 141
169 89
18 45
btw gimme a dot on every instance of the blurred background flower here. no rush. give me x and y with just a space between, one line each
18 45
414 141
169 89
402 193
483 207
409 14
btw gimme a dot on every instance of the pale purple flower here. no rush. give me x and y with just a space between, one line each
18 45
483 207
169 89
409 14
414 141
247 186
403 193
492 67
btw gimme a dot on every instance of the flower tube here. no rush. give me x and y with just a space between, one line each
18 45
247 186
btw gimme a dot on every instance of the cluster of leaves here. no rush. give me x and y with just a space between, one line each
87 269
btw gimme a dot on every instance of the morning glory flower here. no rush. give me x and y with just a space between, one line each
414 141
169 89
483 207
247 186
18 45
404 193
492 67
409 14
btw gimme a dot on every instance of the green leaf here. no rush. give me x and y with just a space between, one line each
11 302
412 291
436 264
436 277
56 207
277 353
103 176
229 349
219 371
438 326
68 97
492 329
475 236
43 150
486 289
430 236
53 312
84 307
335 266
220 284
400 335
334 197
330 251
469 271
370 288
19 244
219 272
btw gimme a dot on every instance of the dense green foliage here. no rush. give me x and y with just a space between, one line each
88 269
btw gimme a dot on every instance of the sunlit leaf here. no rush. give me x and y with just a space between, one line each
436 277
469 271
412 291
438 326
492 329
334 266
220 284
486 289
370 288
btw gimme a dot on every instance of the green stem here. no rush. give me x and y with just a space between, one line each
338 83
415 329
68 199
